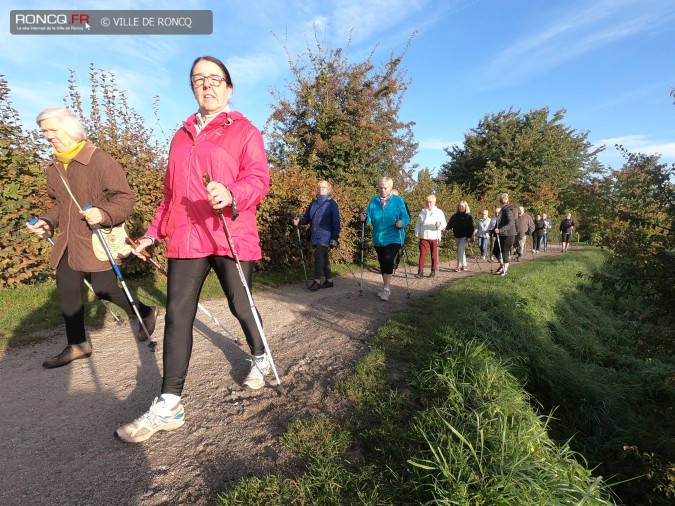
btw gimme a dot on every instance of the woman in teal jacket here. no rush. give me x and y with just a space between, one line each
389 217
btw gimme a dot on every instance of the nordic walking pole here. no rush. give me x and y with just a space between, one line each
450 258
501 253
302 254
438 256
501 256
490 256
474 256
405 261
102 301
161 269
97 230
207 179
342 257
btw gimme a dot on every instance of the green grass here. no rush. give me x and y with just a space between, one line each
525 390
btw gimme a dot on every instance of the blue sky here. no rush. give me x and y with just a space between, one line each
609 63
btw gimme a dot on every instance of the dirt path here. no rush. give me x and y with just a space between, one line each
57 442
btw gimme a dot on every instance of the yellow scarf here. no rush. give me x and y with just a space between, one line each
67 156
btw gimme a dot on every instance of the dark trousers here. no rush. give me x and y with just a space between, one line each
186 278
386 255
322 262
69 287
506 244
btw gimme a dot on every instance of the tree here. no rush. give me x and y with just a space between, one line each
529 155
633 211
117 128
22 194
341 121
641 198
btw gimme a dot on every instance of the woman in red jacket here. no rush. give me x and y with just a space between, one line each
224 144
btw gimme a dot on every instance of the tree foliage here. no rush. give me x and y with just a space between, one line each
341 119
339 122
115 127
633 209
530 155
22 194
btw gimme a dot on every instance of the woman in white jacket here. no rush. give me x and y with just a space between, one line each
430 222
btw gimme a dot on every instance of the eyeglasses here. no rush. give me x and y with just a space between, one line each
214 80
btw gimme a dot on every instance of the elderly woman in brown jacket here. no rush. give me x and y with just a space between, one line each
95 179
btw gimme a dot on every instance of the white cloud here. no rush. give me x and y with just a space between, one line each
640 144
255 69
370 18
580 32
437 144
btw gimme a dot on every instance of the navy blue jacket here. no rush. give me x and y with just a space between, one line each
324 217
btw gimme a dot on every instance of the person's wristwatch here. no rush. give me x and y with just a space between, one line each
155 242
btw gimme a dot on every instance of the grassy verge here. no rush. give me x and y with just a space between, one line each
453 405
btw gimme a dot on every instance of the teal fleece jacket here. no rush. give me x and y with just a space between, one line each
384 220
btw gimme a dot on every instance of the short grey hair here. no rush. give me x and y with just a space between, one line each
330 186
71 123
387 181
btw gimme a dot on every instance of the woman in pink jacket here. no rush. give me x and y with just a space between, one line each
224 144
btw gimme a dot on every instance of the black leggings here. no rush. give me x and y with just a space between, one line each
186 278
322 262
386 255
69 287
506 244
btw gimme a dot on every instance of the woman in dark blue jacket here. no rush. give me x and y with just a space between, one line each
323 216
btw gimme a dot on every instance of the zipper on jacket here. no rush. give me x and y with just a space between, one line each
187 190
187 205
189 174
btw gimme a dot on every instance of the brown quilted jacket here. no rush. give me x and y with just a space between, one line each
95 179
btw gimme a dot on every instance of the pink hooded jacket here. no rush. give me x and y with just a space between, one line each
231 150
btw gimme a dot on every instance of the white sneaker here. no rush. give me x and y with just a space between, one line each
260 367
157 418
385 294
